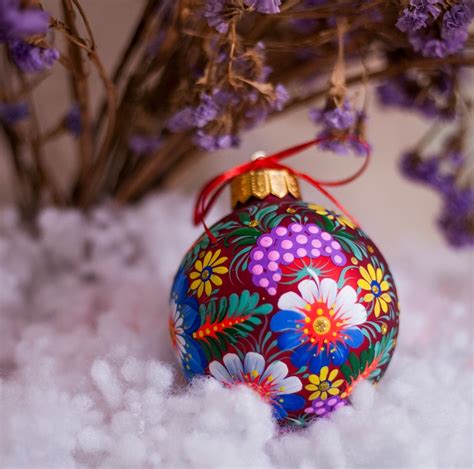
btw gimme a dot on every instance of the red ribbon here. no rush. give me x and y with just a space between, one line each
215 186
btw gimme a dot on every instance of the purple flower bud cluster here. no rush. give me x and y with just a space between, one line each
32 59
283 245
338 122
322 408
11 113
144 144
219 13
457 218
72 121
206 118
407 91
436 28
268 7
439 173
17 23
209 108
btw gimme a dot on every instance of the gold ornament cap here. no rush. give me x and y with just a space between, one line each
263 182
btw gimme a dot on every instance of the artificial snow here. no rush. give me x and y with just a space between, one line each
89 378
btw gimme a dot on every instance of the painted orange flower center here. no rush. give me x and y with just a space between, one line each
320 325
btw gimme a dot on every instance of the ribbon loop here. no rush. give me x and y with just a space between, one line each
209 193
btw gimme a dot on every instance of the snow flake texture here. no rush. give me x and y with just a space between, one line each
89 379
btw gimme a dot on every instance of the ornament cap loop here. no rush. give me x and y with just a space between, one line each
264 182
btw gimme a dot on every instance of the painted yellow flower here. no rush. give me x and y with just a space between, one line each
344 221
206 272
373 283
324 385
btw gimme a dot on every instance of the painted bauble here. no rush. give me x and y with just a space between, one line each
291 299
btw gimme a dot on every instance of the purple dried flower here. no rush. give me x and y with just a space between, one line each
215 142
406 92
16 22
11 113
215 14
427 6
182 120
411 20
281 97
419 169
457 218
198 117
459 16
32 59
339 117
206 112
269 7
255 116
72 121
339 147
144 144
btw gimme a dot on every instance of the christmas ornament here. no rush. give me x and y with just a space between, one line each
286 297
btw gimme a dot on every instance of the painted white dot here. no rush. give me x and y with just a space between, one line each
276 277
265 241
286 244
335 245
316 243
337 259
257 269
257 255
281 231
272 291
315 252
272 266
288 257
313 229
264 282
328 249
301 252
273 255
326 236
301 239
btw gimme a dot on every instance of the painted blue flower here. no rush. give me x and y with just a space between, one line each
320 325
185 320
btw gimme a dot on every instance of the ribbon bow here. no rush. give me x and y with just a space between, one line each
212 189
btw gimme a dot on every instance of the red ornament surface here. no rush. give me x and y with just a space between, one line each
292 300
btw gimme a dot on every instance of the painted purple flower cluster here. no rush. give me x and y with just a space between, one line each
322 408
436 28
339 121
283 245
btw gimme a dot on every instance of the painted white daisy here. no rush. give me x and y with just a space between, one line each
272 382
